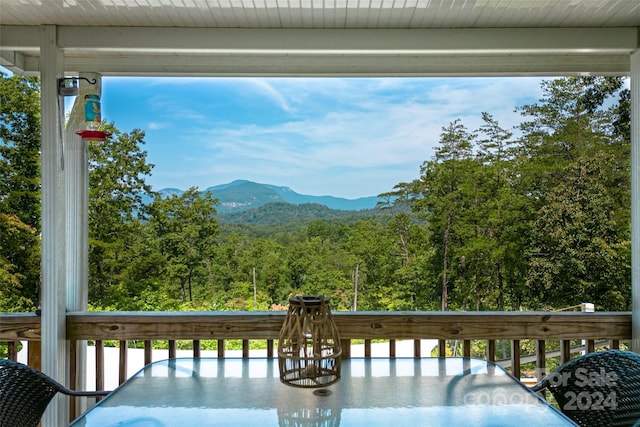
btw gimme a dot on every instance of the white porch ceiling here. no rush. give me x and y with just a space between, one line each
325 37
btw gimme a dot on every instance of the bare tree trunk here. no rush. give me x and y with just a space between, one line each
476 282
255 291
500 288
405 248
355 289
210 273
445 263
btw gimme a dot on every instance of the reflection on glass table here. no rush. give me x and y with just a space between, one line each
371 392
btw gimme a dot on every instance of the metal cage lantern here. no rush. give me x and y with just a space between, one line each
309 351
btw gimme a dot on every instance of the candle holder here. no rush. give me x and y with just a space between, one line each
309 351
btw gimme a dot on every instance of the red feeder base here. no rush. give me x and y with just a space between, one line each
93 135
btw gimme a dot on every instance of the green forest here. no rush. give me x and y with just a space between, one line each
531 218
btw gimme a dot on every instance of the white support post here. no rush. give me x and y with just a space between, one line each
76 154
586 307
54 360
635 201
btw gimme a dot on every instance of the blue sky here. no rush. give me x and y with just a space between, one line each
346 137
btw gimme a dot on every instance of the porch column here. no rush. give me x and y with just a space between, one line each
77 206
635 201
53 267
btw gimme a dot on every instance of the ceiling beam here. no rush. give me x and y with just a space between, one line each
349 65
357 52
338 41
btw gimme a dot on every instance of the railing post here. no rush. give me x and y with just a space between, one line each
12 351
345 344
491 350
122 372
34 354
220 349
565 350
515 358
148 352
73 379
466 348
270 349
541 360
99 365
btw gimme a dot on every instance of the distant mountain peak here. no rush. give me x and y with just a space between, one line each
172 190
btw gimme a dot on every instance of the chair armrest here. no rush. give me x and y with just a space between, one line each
85 393
540 386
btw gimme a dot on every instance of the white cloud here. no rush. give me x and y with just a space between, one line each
345 137
156 125
268 89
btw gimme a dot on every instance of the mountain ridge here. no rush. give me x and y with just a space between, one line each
282 216
242 195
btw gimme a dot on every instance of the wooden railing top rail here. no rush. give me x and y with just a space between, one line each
19 326
367 325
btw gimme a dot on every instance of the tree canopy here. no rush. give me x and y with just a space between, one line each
535 217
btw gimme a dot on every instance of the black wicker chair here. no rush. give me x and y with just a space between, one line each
25 393
598 389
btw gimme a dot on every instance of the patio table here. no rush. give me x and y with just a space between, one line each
371 392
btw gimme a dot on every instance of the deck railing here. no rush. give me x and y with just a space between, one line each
592 330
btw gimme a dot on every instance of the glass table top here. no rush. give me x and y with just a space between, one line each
371 392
